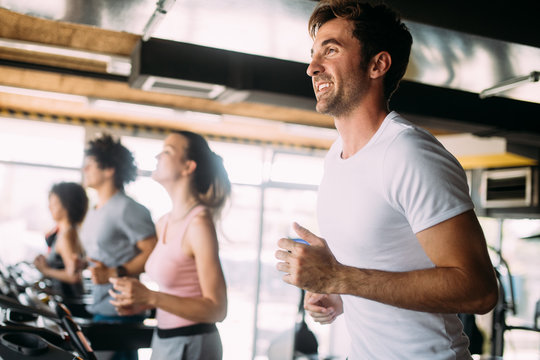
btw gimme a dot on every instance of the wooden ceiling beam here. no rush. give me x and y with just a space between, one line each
83 37
116 90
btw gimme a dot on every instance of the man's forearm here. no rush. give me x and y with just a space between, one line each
445 290
135 266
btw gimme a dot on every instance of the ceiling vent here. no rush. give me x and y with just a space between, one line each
509 188
228 76
178 86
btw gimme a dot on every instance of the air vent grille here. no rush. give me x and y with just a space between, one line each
181 87
507 188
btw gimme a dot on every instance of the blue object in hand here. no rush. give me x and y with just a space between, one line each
301 241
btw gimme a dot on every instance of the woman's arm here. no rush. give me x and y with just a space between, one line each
68 249
201 243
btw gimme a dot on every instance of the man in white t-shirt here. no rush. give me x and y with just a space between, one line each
404 251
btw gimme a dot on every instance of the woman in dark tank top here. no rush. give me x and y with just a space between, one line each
68 204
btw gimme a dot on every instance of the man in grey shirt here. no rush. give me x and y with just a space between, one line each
118 233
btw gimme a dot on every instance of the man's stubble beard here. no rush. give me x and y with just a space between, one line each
345 99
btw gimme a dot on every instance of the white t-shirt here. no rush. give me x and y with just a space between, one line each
370 207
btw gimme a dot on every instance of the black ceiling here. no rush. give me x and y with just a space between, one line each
514 21
453 110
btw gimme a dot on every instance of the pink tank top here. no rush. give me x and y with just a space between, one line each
172 270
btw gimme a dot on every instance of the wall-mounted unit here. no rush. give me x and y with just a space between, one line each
217 74
178 86
509 188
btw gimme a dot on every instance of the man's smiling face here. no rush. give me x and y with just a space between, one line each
337 76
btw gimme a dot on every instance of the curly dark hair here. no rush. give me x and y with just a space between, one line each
109 153
378 28
73 198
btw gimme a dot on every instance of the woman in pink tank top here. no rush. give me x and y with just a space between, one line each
192 294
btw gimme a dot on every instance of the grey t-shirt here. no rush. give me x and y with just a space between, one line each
110 234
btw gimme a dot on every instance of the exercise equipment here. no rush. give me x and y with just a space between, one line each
25 345
27 332
30 305
118 336
505 304
305 342
32 323
296 343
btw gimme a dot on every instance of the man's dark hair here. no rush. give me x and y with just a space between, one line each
73 198
378 28
109 153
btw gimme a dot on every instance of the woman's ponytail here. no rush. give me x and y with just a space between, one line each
210 181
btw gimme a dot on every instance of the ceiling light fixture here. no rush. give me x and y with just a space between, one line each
124 107
310 131
534 76
43 94
162 7
116 65
197 116
162 112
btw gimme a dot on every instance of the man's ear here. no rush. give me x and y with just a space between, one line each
380 64
109 172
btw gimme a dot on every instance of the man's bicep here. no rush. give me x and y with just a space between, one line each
147 244
457 242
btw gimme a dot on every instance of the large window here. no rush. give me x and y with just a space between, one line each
26 141
33 156
144 189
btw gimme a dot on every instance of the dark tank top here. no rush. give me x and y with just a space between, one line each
54 260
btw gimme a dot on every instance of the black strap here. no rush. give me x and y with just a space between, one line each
196 329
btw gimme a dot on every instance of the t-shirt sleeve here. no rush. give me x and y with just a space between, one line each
424 181
138 223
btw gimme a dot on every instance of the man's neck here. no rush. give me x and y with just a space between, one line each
105 192
358 127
